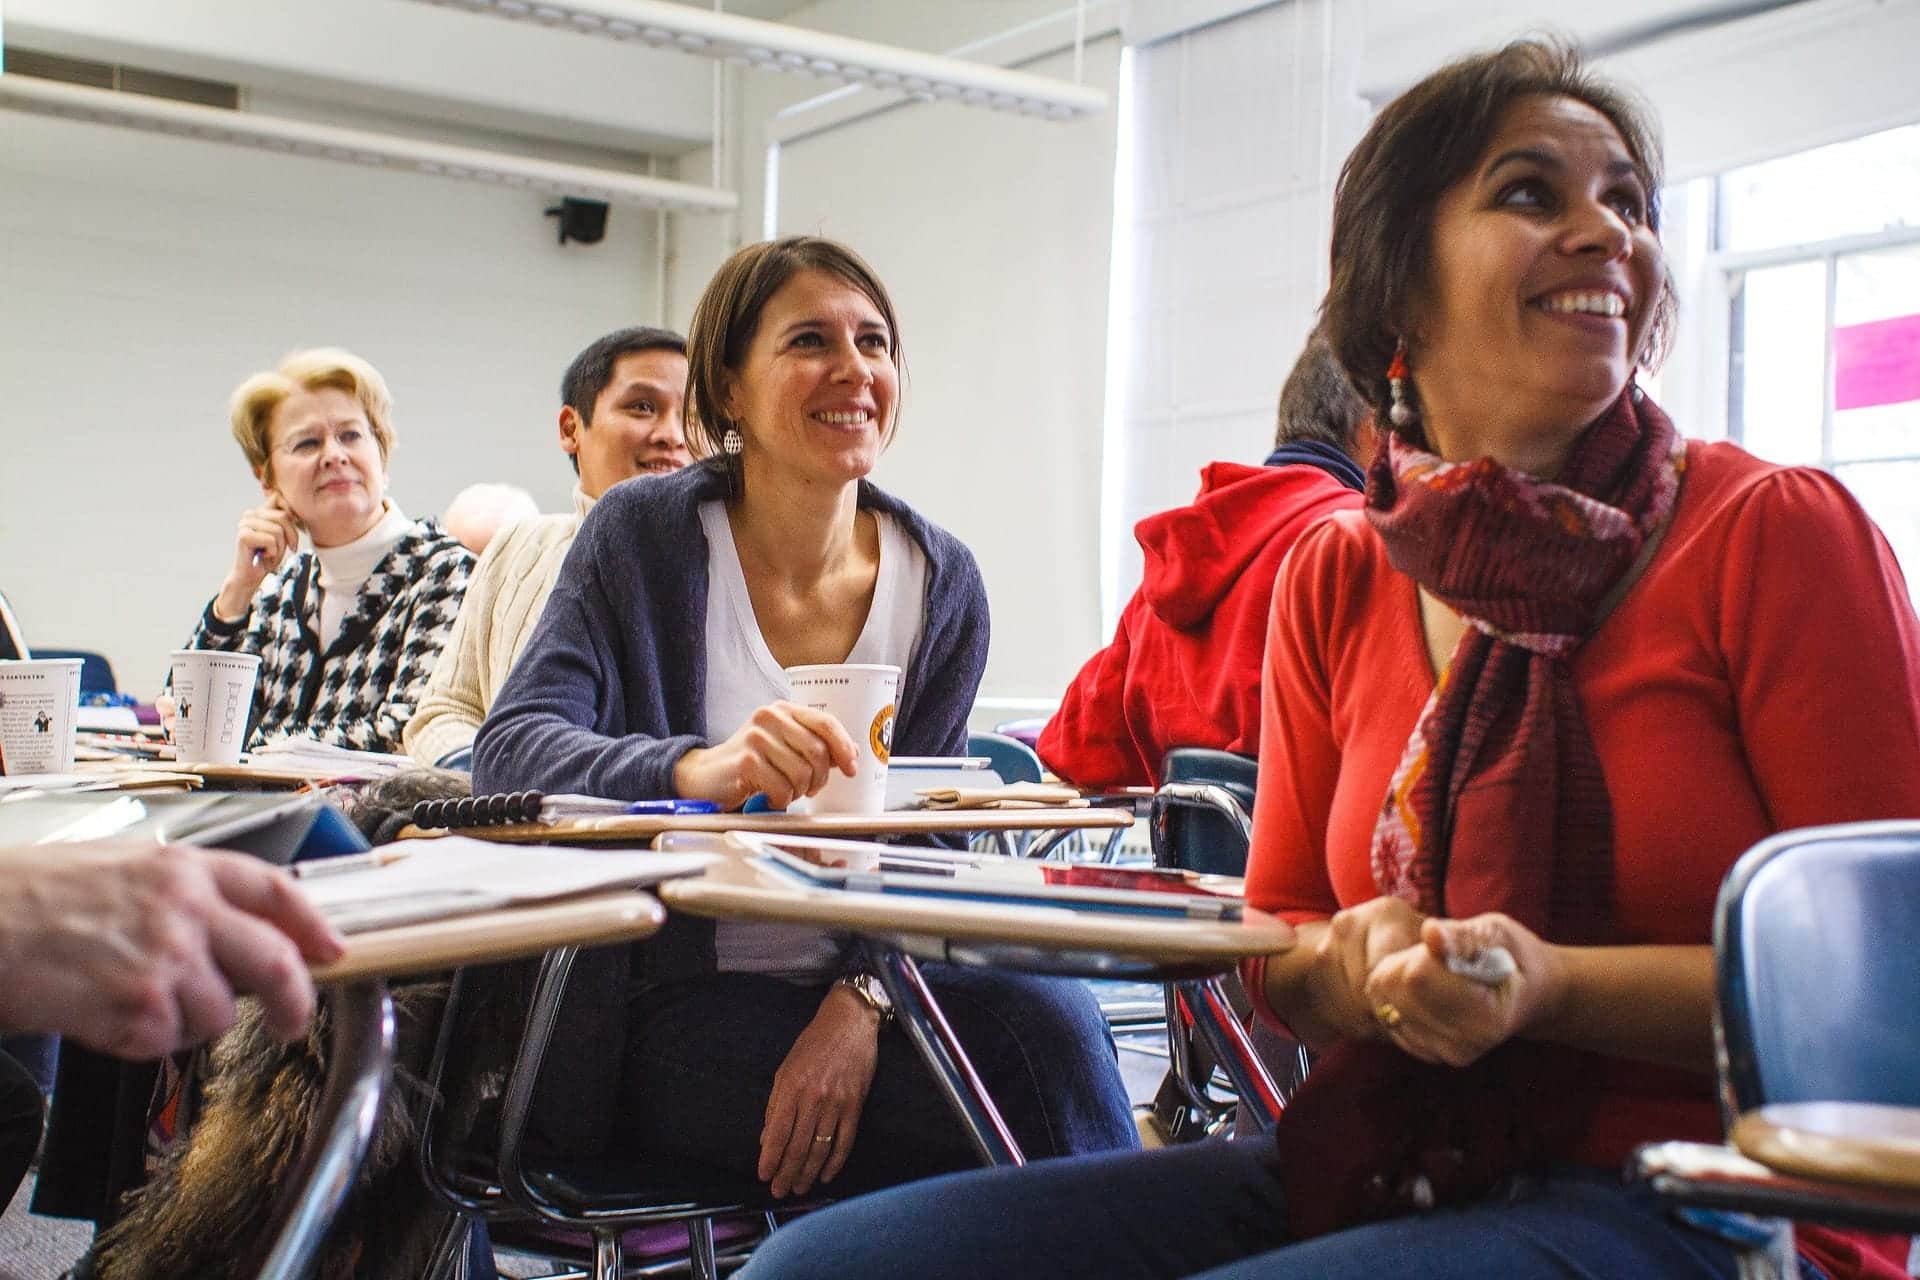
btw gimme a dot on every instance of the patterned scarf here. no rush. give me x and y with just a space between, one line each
1498 805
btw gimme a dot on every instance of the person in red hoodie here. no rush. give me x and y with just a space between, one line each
1184 668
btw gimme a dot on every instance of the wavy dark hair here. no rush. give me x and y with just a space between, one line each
1426 140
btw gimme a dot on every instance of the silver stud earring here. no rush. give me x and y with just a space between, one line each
730 442
1401 413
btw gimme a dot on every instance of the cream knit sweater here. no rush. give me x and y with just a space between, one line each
505 595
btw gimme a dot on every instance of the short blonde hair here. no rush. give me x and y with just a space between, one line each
255 400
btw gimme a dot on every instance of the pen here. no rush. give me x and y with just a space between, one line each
350 862
673 806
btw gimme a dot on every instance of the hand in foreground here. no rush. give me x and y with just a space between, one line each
1354 942
169 709
139 950
818 1092
784 749
267 533
1441 1016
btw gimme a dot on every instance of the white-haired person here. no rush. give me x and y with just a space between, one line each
347 631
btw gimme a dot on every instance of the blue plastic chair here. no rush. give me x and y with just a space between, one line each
1012 759
96 673
1818 1000
1015 762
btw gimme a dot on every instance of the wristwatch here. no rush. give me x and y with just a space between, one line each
871 991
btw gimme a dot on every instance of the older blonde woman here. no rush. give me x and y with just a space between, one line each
347 632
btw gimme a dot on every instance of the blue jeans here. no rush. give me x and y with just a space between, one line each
1214 1211
701 1055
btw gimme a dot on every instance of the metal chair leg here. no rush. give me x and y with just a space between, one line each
362 1060
1214 1018
927 1027
700 1259
452 1252
608 1257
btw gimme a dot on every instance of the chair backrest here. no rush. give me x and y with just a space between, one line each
1819 998
96 673
1192 829
1013 760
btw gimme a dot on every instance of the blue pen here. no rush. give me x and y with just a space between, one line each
673 806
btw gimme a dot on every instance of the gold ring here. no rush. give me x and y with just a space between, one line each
1387 1015
823 1137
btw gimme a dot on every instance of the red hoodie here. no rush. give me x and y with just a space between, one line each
1184 668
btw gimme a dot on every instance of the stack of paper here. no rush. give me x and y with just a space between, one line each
415 880
312 755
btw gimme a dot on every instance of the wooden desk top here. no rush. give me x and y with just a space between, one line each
737 889
639 828
623 915
1837 1141
253 777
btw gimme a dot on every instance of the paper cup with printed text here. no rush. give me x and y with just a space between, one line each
213 700
861 697
39 704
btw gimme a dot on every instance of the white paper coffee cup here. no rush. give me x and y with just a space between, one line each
213 698
39 705
861 697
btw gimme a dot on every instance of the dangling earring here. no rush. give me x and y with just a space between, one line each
1401 413
730 442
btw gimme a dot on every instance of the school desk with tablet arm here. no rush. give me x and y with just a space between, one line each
1026 926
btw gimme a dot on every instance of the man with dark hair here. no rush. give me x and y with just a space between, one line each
1184 668
620 417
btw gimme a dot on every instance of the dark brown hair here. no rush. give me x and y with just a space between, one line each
1317 402
728 314
1425 141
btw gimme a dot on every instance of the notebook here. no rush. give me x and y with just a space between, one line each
866 867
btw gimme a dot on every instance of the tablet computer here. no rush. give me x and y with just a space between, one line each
867 867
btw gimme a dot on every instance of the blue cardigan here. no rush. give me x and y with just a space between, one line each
610 692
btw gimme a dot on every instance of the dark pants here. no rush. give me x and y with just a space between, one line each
1214 1211
22 1112
702 1054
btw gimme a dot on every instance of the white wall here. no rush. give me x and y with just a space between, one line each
1239 129
142 277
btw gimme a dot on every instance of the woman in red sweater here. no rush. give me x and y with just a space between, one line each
1521 714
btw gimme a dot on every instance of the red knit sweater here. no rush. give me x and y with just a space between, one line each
1763 674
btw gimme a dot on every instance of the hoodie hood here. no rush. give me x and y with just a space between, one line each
1195 554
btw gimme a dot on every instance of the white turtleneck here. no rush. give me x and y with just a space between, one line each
345 569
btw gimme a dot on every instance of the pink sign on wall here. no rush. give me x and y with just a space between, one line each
1876 363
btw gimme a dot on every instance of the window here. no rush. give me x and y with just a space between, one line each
1821 255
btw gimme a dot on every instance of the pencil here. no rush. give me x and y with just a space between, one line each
350 862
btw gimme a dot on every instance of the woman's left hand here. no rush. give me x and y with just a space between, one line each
818 1092
1440 1016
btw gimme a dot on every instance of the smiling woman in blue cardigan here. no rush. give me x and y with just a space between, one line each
657 671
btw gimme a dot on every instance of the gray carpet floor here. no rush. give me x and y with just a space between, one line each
36 1248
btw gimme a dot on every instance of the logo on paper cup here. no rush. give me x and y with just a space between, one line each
880 734
186 709
43 723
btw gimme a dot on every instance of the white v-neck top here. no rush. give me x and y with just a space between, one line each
742 677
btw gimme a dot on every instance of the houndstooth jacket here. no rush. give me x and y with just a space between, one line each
361 692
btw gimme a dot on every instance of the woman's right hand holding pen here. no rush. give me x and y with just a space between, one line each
267 533
784 749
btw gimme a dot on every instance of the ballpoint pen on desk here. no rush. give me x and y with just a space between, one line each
370 861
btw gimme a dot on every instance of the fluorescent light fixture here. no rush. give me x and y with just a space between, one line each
775 46
378 150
